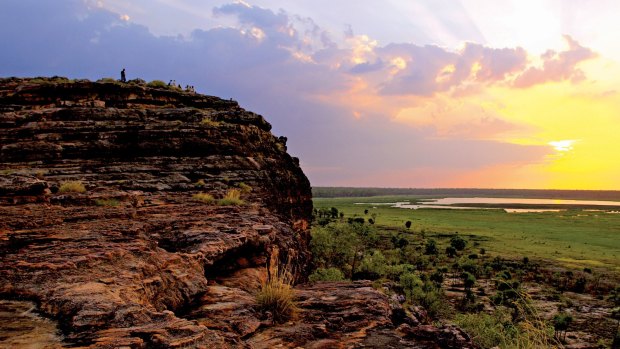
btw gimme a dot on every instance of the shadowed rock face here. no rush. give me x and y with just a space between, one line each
123 262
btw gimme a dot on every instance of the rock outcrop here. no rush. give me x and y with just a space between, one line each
119 264
104 243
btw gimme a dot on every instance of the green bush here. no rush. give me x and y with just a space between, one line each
431 247
458 243
394 272
329 274
373 265
425 294
488 331
499 330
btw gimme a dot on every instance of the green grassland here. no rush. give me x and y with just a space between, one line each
575 238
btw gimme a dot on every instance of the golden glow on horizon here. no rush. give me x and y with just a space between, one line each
577 121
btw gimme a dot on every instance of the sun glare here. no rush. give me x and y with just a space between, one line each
563 146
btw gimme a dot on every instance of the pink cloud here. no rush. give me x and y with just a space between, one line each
557 66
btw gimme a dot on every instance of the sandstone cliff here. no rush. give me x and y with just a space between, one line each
121 262
133 260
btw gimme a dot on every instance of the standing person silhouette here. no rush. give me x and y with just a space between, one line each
123 78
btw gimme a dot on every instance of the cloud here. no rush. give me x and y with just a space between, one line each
337 101
557 66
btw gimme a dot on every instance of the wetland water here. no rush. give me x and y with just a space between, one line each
505 203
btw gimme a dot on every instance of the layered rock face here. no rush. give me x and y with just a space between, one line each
122 263
133 259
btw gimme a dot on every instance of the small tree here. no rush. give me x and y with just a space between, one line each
561 322
408 224
468 281
437 278
333 212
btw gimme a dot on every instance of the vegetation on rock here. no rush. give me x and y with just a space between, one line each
72 187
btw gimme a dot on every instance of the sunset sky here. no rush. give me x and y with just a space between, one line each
451 93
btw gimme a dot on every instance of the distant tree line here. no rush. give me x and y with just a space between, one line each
331 192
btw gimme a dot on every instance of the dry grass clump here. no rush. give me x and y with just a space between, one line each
204 197
244 188
210 122
107 202
72 187
276 295
232 198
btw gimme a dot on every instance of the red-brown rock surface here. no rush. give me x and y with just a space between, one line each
119 264
135 261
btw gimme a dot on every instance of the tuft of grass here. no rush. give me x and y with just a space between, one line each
107 202
276 295
72 187
107 80
207 121
244 188
200 183
232 198
204 197
157 84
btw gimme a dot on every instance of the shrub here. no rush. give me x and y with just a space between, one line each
72 187
204 197
232 198
394 272
458 243
157 84
329 274
424 294
408 224
431 247
450 251
277 295
372 266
